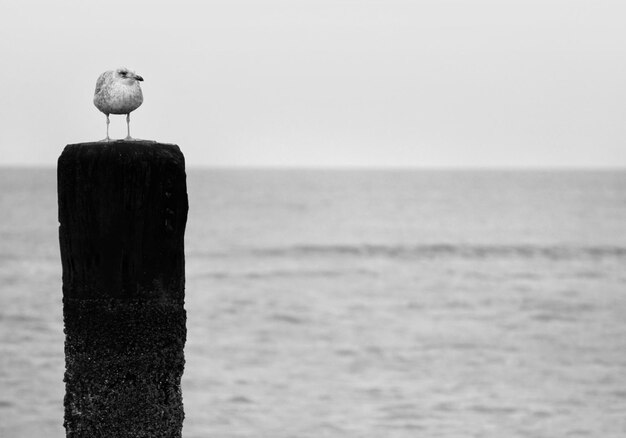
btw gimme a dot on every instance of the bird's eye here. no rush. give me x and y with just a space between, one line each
123 73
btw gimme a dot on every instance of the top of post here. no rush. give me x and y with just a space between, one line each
123 150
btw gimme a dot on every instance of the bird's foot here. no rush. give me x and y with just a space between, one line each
104 140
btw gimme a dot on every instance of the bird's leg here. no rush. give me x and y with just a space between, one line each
108 121
128 137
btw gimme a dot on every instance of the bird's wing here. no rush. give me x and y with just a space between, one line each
100 82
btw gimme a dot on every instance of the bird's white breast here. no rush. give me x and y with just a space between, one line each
119 97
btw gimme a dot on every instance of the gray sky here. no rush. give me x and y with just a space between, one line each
317 83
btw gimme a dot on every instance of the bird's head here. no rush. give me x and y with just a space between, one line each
129 75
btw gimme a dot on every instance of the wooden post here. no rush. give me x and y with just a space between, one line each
122 213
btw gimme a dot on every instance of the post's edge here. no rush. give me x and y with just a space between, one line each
120 142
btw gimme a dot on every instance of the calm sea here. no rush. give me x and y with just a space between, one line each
360 304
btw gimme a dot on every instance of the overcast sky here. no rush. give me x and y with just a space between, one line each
324 83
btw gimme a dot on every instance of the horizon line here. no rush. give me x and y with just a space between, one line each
352 167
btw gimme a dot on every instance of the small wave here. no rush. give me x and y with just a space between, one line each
434 251
241 399
288 319
553 317
621 394
497 410
279 273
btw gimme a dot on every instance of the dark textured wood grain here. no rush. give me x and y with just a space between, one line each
122 214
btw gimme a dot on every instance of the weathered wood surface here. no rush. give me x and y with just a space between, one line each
122 214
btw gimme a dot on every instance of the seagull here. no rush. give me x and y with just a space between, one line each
118 92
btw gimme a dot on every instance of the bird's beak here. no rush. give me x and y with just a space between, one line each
139 78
